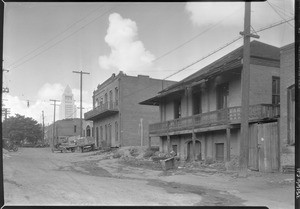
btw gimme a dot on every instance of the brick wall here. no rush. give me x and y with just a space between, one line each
133 91
261 84
287 76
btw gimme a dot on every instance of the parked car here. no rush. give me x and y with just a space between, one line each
9 144
28 144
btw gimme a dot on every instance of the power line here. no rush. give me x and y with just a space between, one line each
275 24
282 11
231 42
54 37
196 36
278 13
51 46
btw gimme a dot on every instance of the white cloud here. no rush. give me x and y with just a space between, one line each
232 13
127 52
51 91
207 13
42 103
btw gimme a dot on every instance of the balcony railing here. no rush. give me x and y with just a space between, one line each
230 115
105 109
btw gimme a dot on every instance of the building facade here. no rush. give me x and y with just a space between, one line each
287 106
65 127
118 119
200 116
67 108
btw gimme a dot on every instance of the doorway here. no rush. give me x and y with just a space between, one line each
197 150
264 147
219 151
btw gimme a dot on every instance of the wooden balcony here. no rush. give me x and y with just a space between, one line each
107 109
226 116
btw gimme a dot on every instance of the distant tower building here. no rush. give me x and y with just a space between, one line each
67 108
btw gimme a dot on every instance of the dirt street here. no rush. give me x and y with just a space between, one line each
36 176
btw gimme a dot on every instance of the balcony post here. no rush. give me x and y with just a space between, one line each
168 139
228 136
169 143
149 141
194 145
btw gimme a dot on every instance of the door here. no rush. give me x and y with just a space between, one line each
109 135
219 151
253 147
268 144
97 136
197 150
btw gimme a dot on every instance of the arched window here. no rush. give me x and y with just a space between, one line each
88 131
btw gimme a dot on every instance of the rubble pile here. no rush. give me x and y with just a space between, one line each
233 164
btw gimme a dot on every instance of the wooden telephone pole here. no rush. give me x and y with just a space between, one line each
43 127
81 72
244 142
53 128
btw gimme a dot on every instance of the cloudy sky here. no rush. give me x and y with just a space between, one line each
45 42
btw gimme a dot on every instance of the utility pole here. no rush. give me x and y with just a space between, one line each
53 127
5 89
244 142
81 72
43 128
5 112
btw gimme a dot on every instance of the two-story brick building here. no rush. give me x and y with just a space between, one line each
117 117
200 116
287 106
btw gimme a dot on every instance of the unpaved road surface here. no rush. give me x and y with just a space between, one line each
36 176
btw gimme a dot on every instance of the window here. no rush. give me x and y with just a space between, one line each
177 109
117 95
275 90
110 99
101 102
88 131
222 95
116 131
105 100
197 103
97 102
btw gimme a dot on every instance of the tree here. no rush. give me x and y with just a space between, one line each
20 127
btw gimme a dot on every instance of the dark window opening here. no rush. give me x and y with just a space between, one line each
197 103
275 90
117 95
177 109
88 131
222 95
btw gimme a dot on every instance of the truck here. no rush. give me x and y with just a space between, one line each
85 143
64 144
71 143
